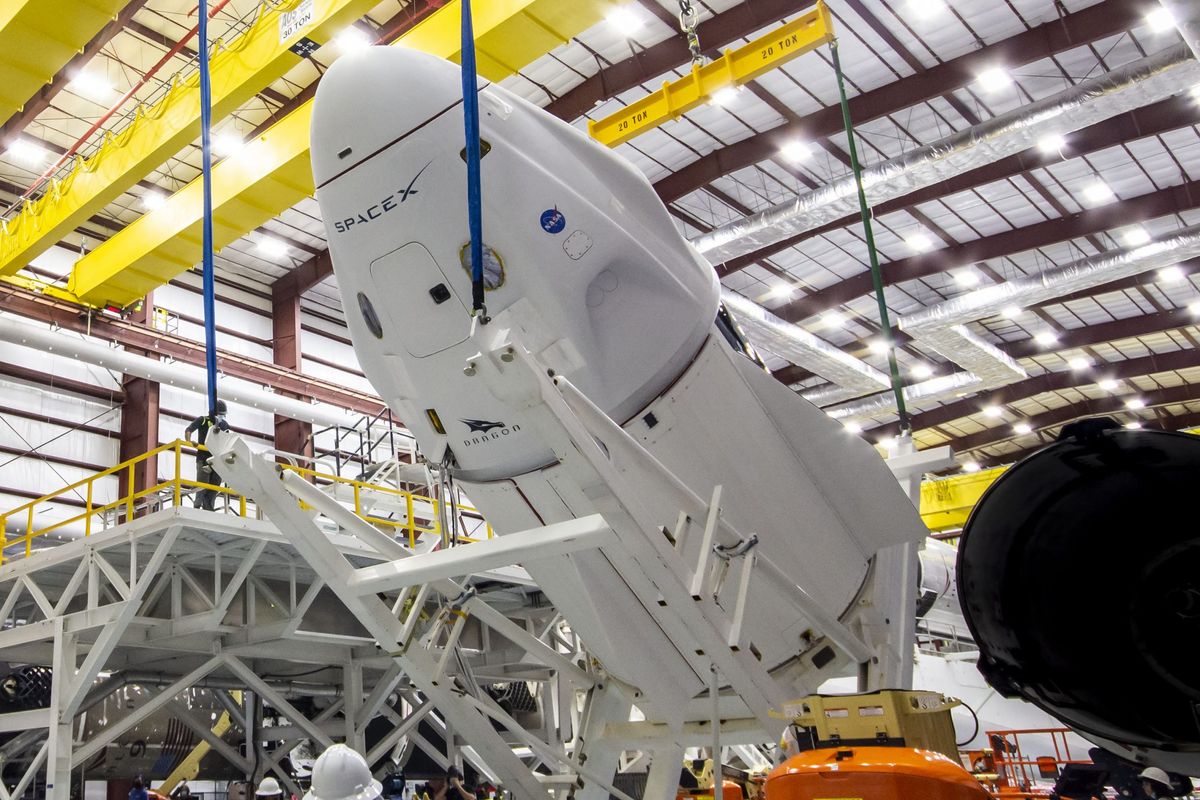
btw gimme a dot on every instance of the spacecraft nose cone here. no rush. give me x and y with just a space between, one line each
373 97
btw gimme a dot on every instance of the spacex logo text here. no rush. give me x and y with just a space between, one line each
385 205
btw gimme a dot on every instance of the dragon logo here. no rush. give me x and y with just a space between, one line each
481 425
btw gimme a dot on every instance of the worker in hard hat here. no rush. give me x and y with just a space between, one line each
1156 783
269 788
341 773
206 498
450 787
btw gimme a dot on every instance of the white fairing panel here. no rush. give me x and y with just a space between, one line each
611 296
599 287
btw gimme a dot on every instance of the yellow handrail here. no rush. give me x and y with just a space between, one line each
172 489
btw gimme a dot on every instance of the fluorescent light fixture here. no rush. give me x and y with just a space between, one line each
994 79
966 277
152 200
271 247
226 143
1194 308
1172 274
1098 192
1160 20
970 466
782 290
919 242
626 20
1022 429
352 38
1045 338
878 347
1011 311
1135 403
1135 237
27 153
921 371
1079 363
833 319
1108 385
796 151
1133 426
91 85
887 443
724 97
993 411
852 427
1052 143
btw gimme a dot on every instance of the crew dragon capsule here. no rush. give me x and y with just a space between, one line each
584 263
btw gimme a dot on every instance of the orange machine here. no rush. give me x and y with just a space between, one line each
872 773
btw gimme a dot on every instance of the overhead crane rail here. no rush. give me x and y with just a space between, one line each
405 514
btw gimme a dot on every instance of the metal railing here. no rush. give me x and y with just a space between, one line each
404 513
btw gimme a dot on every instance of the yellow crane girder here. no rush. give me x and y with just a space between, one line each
947 502
38 38
272 173
734 68
240 68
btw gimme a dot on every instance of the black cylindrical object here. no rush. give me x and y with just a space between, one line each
1079 575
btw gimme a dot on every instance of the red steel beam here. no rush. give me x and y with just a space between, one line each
139 417
29 304
1102 20
291 435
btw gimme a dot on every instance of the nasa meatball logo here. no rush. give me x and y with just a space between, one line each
488 431
553 221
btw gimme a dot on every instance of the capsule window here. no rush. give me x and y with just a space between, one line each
369 316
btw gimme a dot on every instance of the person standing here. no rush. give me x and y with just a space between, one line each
206 498
1156 783
138 792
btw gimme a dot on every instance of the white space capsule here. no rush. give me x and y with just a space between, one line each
585 261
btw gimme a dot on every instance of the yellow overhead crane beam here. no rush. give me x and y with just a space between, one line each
733 68
272 173
240 68
38 38
947 502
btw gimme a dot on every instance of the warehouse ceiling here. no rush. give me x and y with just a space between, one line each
917 71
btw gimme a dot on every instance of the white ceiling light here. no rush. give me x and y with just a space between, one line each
352 38
1011 311
724 97
852 427
966 277
781 291
1135 404
921 371
27 153
152 200
1194 308
1108 385
271 247
833 319
1079 363
1022 428
796 151
919 242
887 443
1172 274
993 411
1160 20
1098 192
226 143
994 79
970 466
925 9
626 20
1135 237
1052 143
1133 426
91 85
878 347
1045 338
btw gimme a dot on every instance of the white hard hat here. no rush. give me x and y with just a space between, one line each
1157 775
342 774
268 788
